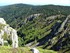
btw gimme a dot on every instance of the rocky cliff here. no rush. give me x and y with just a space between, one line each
8 35
49 32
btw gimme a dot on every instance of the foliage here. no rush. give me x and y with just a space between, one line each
1 26
7 49
15 14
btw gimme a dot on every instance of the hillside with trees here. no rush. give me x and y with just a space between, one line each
46 26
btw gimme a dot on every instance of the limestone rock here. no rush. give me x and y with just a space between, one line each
11 34
2 21
34 50
63 24
31 17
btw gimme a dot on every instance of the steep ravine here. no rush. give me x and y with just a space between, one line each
55 32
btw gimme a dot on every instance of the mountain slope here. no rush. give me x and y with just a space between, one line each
50 33
46 26
15 14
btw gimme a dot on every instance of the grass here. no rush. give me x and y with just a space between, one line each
7 49
46 51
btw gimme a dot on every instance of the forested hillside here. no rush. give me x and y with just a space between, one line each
18 12
46 26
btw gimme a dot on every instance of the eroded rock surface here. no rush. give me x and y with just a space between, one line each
8 33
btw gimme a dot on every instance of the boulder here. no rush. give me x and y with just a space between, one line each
34 50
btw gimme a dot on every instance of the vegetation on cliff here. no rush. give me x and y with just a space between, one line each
40 25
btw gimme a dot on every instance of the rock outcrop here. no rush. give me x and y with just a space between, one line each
8 33
34 50
2 21
63 24
31 17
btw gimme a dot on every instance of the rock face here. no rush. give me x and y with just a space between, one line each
31 17
63 24
8 33
14 38
2 21
1 39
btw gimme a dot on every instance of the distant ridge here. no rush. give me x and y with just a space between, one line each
34 5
